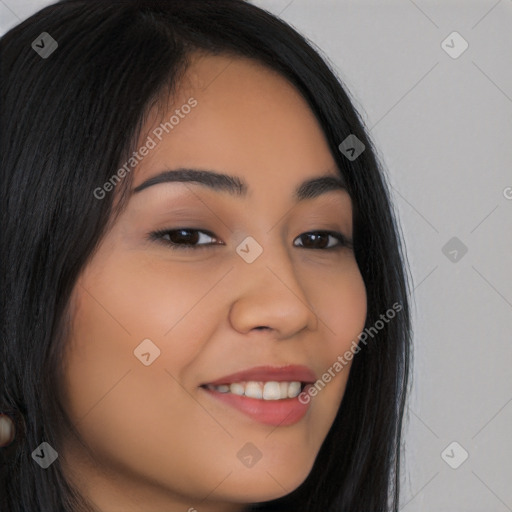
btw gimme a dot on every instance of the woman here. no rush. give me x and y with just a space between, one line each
205 302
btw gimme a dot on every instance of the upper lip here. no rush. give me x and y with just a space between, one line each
286 373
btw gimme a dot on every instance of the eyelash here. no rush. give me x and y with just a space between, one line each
160 234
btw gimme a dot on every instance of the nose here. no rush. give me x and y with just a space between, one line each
269 295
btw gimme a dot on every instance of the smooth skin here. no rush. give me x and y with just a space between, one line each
160 442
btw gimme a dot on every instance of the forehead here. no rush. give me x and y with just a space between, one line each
247 120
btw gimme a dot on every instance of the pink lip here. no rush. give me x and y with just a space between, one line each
286 373
279 413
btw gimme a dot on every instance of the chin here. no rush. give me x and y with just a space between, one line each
264 485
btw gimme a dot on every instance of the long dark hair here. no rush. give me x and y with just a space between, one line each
67 122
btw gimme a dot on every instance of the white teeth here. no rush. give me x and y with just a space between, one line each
253 390
293 389
237 388
271 390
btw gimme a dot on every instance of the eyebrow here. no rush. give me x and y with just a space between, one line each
237 187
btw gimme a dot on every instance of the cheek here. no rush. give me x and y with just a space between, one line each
131 299
342 309
340 300
117 305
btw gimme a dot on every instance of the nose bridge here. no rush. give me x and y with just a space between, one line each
270 291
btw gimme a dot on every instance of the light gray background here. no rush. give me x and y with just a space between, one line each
443 130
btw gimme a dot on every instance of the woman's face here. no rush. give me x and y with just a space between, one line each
256 286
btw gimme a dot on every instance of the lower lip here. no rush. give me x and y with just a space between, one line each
279 413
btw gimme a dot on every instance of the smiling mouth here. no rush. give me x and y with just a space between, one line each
266 402
260 390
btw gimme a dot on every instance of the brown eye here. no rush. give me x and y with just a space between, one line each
322 240
185 238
